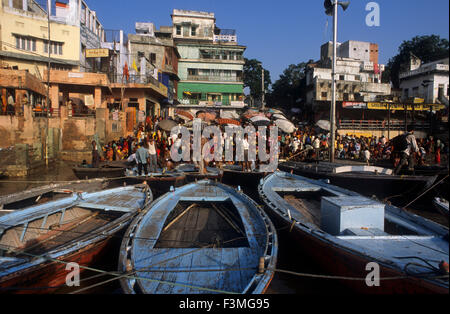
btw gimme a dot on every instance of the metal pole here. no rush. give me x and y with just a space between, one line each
48 81
333 83
389 121
262 87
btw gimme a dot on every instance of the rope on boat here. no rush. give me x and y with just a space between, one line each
426 191
126 276
352 278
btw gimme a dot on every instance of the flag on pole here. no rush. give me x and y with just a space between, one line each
376 68
134 66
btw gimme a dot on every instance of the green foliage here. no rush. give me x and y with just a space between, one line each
253 78
290 88
426 48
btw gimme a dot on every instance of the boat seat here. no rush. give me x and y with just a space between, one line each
363 232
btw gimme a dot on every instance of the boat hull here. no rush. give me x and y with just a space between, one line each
338 262
159 184
384 187
47 278
242 178
90 173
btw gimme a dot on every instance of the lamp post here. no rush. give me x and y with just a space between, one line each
331 8
262 87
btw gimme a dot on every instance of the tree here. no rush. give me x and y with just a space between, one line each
253 78
290 88
426 48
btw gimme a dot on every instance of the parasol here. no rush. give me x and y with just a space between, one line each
228 121
324 124
206 116
285 125
229 115
279 116
167 124
260 121
185 115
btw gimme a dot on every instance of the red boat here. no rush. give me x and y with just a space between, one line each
36 243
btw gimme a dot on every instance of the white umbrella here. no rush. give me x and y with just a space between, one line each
324 124
259 118
229 115
285 125
279 116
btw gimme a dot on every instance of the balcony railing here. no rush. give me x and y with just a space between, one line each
133 79
379 125
214 78
424 69
186 101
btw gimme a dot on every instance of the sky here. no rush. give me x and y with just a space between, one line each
284 32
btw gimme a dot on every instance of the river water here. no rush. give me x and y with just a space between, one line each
288 257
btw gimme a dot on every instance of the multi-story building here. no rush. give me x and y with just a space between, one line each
155 57
74 28
428 81
211 63
358 76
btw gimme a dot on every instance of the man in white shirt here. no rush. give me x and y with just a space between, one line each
407 155
316 146
152 153
245 145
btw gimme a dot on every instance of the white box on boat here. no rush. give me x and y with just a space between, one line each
343 212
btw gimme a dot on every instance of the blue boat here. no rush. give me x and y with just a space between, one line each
204 237
38 241
344 232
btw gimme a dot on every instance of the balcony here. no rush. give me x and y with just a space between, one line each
424 69
214 78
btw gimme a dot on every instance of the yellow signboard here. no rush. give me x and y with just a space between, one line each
97 53
409 107
163 88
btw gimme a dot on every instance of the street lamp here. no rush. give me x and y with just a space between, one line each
331 8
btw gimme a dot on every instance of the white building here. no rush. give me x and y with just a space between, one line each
428 81
357 71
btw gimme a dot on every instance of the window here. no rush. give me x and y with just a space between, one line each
152 57
357 78
25 43
193 31
55 48
324 94
178 27
341 77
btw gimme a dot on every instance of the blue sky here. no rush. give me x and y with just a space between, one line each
284 32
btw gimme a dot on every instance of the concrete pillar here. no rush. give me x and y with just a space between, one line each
25 5
54 96
98 98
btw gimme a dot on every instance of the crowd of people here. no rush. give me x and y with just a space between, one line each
149 148
310 143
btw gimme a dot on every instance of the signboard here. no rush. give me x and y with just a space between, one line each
97 53
353 105
409 107
141 116
75 75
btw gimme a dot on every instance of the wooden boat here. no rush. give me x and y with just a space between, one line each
366 180
441 205
37 242
105 171
233 175
193 174
46 193
159 182
204 237
344 231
